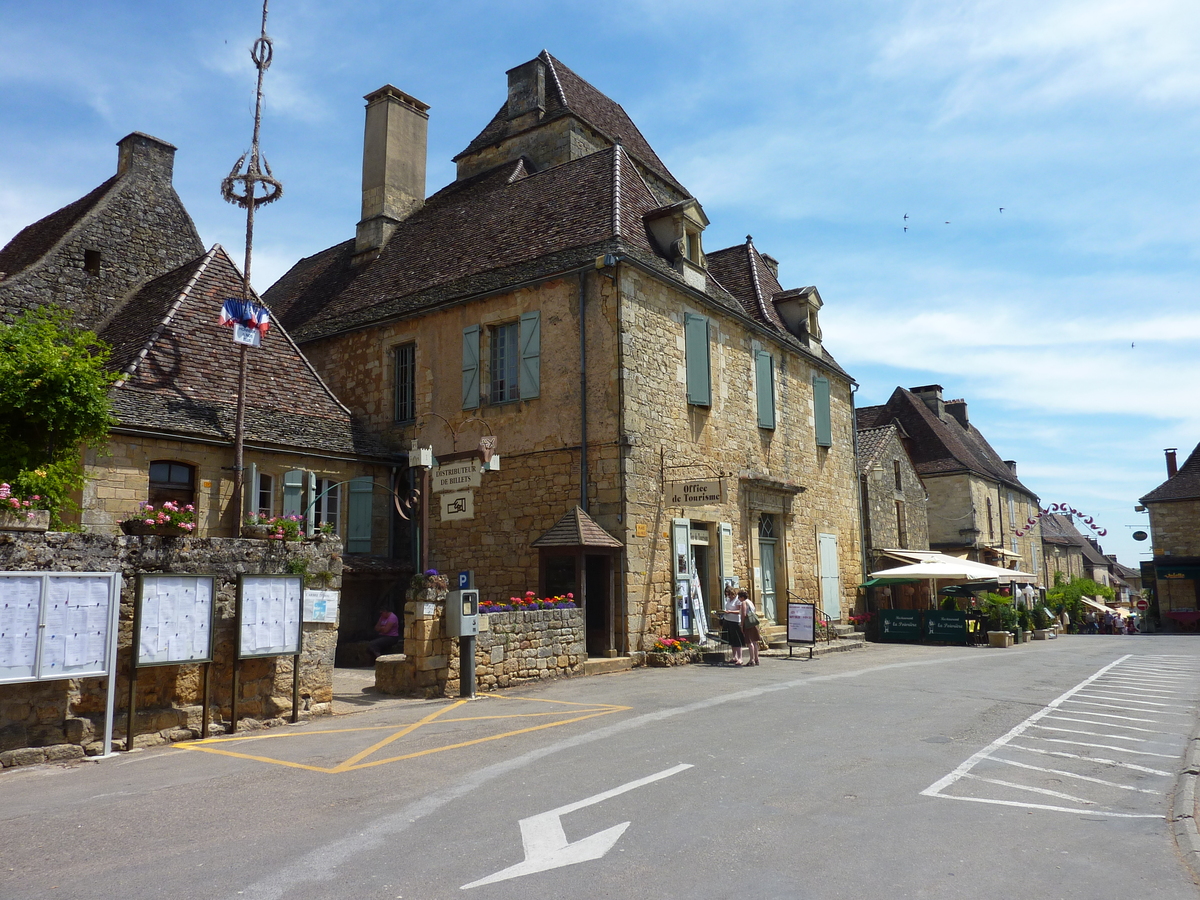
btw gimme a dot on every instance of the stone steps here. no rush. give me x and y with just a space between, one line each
607 665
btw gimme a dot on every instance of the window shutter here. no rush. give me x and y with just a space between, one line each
310 526
764 372
249 491
695 339
530 379
293 492
821 417
470 368
358 526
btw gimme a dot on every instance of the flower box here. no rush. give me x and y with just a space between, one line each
30 520
137 527
260 532
1000 638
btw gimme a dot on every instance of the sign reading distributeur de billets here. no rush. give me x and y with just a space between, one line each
457 506
694 493
456 476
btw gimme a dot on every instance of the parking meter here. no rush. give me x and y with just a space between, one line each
462 613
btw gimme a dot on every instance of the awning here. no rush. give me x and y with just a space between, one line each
1115 610
881 582
977 570
949 567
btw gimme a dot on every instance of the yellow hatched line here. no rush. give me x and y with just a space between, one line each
494 737
267 759
349 764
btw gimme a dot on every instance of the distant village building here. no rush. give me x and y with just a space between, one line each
672 407
1174 508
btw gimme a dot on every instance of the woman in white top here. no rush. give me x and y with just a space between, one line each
731 619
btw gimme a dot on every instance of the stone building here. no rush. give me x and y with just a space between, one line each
977 507
893 495
1174 508
557 296
1062 549
126 260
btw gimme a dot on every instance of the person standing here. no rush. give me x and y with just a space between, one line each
749 626
731 620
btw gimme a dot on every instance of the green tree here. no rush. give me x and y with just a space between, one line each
54 385
1067 595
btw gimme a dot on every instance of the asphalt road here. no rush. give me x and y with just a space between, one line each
1044 770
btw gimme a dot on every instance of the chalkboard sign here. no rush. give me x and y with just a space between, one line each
269 613
57 625
801 623
174 619
900 624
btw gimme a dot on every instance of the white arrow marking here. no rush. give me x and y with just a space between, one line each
545 842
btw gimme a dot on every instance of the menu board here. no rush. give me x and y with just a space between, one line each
174 619
270 611
801 623
56 625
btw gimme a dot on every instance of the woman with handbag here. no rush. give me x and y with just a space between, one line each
731 619
749 626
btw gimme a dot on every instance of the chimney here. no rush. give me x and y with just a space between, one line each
932 395
772 265
1172 465
958 409
393 173
527 91
1011 463
148 155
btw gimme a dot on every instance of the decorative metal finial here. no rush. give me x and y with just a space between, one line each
249 180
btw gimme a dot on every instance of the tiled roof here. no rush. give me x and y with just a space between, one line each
577 529
1183 485
179 370
34 241
940 446
871 443
568 94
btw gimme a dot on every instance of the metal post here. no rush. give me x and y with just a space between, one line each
296 688
466 667
204 713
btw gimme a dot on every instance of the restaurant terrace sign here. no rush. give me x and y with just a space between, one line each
695 493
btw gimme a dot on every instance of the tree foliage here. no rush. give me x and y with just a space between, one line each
1068 594
54 386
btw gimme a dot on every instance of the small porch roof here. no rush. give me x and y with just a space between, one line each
577 529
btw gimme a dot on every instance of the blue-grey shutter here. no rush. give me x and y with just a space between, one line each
764 377
250 490
310 509
530 379
358 524
293 492
821 419
695 341
470 368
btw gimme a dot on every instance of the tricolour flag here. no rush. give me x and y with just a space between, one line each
246 314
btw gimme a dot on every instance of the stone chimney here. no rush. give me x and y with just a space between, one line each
931 394
527 93
958 409
393 172
1172 465
145 154
1011 463
772 265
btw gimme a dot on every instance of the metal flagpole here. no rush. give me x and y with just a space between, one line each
249 180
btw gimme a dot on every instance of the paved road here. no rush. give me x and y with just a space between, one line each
1045 770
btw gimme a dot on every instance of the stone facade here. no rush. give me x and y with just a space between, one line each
136 229
894 501
47 721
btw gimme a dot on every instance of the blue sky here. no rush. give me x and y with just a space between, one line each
1069 321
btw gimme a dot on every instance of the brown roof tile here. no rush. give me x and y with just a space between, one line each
577 529
1183 485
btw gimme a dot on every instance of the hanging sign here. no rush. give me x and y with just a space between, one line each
456 476
695 493
457 506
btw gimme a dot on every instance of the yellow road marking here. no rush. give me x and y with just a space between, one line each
348 764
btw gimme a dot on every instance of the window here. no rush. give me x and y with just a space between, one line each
699 376
1012 510
901 525
896 472
328 503
514 361
91 262
504 364
822 419
406 382
764 380
265 489
172 481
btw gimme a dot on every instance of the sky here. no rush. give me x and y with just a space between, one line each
1043 152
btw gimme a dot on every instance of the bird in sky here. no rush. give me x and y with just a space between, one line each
906 217
1002 209
947 221
906 228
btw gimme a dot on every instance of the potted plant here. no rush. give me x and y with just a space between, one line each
168 520
670 652
19 513
1001 620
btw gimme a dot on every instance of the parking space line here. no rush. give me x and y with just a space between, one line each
1075 775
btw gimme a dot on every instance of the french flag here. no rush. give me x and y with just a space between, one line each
245 313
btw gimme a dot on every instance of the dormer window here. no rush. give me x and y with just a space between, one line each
799 309
677 229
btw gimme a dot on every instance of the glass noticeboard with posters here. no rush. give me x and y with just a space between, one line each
173 620
269 615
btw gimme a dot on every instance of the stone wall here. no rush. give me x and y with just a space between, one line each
881 494
511 648
65 719
1175 528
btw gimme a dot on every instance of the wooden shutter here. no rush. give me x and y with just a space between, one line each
470 368
249 491
358 525
293 492
695 337
310 526
530 378
764 377
821 418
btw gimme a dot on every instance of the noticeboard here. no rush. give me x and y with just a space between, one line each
946 627
269 615
321 607
801 623
174 617
57 624
900 624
